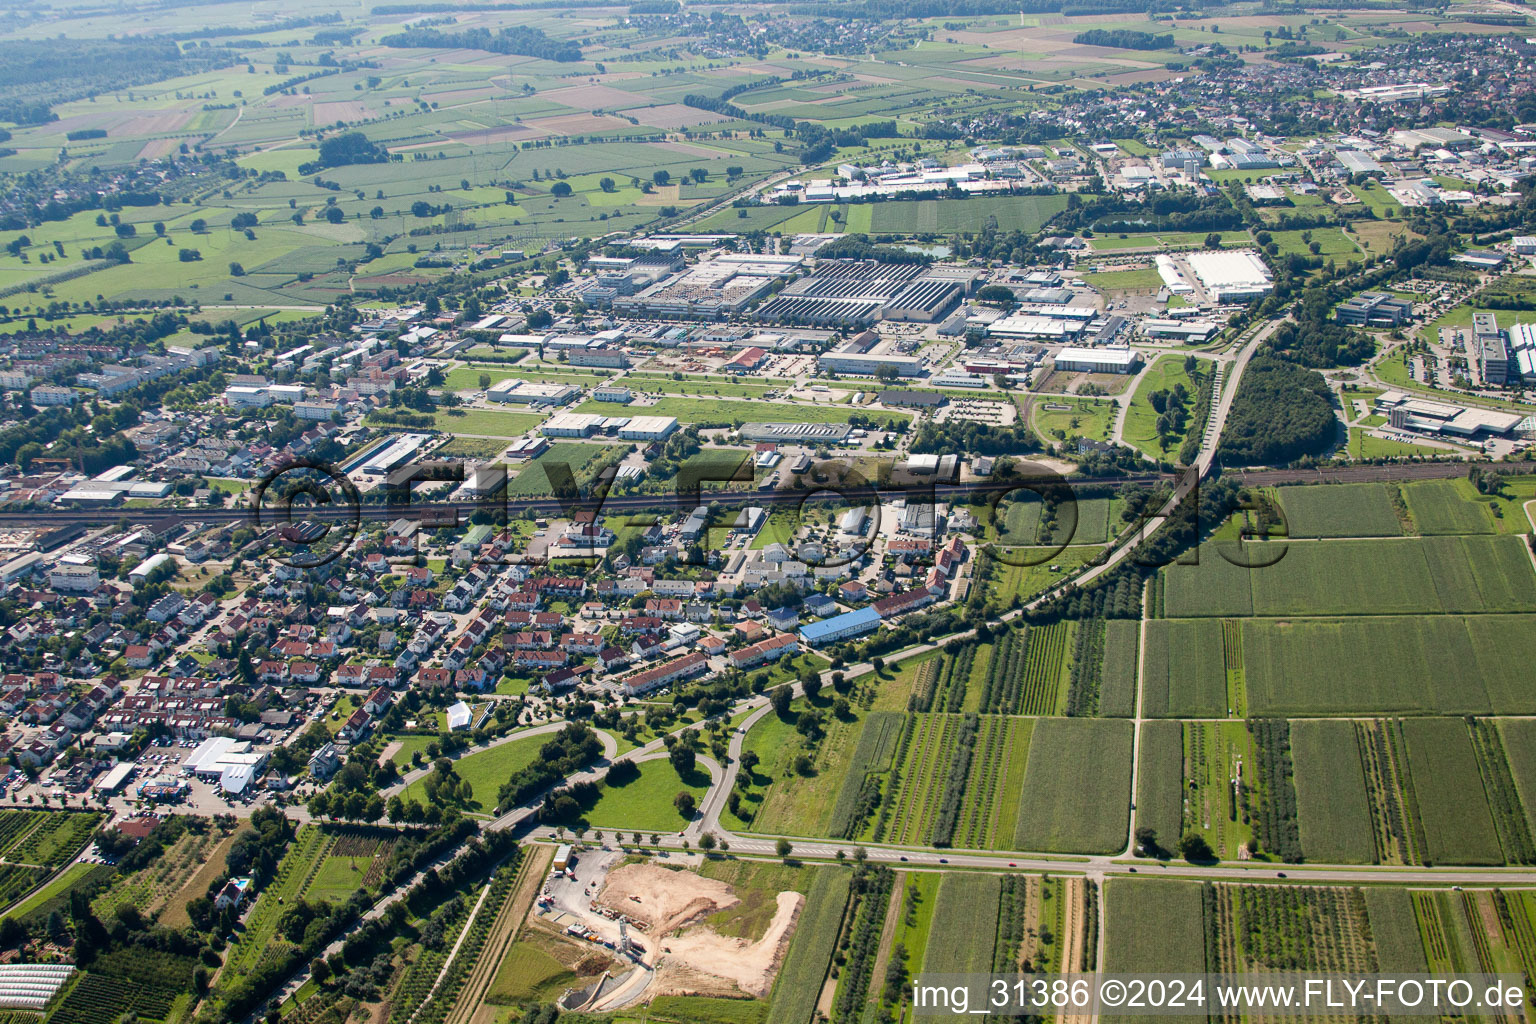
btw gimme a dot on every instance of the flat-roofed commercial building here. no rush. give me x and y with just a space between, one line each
1098 360
571 424
1046 328
648 428
1407 412
1188 331
531 393
1374 309
1522 352
1492 353
793 432
1231 276
869 365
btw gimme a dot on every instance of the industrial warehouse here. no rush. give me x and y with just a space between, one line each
860 292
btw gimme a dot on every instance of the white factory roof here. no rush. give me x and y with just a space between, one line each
1112 356
1030 326
577 421
149 565
1229 270
650 424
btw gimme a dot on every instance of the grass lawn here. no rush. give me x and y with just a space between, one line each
779 529
60 884
408 746
490 422
1331 242
1009 583
1125 281
486 771
338 715
1087 417
1363 445
646 803
1141 419
467 378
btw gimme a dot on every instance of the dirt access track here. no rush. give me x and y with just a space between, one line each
687 954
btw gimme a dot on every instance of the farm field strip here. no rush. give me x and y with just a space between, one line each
1389 576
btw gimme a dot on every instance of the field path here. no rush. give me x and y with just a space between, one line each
883 951
469 924
504 930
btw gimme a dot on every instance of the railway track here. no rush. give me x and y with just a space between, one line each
452 512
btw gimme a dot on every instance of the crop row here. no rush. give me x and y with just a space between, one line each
924 685
872 896
1276 820
14 824
1503 799
798 988
16 880
987 777
58 837
470 945
1012 917
95 999
1516 923
1389 818
964 924
1300 928
955 679
898 773
954 786
1042 669
860 793
1087 668
260 935
919 777
1004 672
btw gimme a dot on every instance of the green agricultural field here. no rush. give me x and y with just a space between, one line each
798 986
582 461
1402 664
947 216
1356 577
1331 802
1111 281
486 422
1077 787
1117 685
1519 735
1185 673
1082 521
1347 510
964 925
1438 507
1153 925
1395 928
1159 781
1458 828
